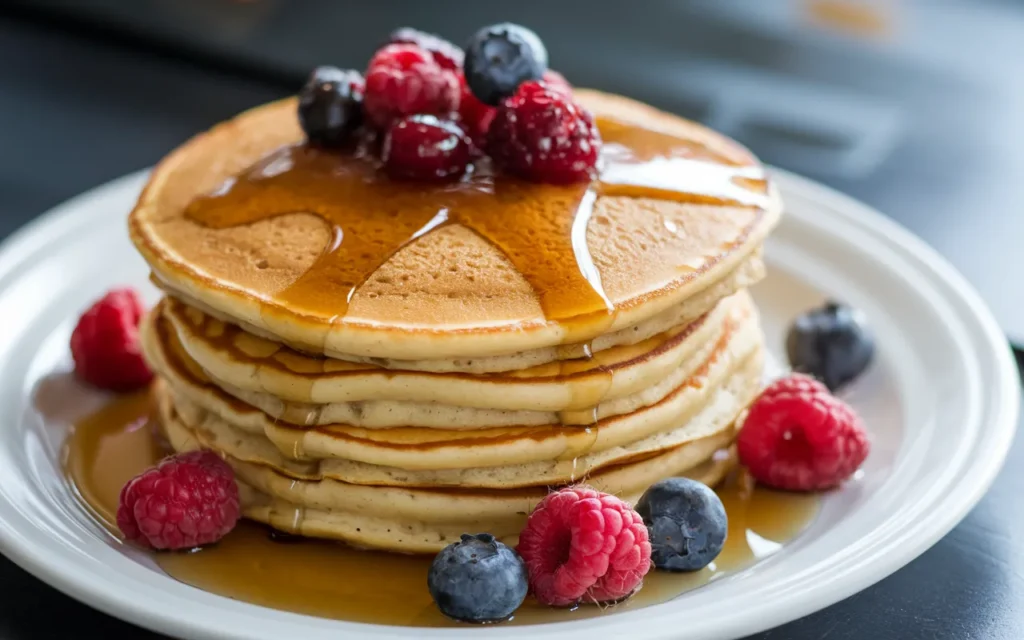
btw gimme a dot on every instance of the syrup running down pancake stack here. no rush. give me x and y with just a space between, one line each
393 364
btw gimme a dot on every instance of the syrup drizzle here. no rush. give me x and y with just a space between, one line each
540 228
262 566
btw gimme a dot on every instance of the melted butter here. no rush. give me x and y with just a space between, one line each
540 228
255 565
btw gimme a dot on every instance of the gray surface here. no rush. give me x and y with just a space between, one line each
74 113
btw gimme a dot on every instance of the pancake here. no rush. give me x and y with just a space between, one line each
747 273
709 423
394 363
424 520
509 267
665 403
168 357
735 360
235 358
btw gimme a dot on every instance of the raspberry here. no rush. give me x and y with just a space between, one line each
424 147
799 437
557 82
186 501
404 79
105 343
542 135
444 53
476 116
580 544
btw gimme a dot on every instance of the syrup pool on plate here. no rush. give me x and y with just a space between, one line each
254 564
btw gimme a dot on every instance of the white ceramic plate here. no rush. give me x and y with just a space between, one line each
940 402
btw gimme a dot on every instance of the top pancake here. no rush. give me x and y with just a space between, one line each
447 292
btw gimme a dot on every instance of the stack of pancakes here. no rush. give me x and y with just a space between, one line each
440 396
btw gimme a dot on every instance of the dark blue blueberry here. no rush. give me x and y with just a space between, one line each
331 105
686 522
478 579
501 57
832 343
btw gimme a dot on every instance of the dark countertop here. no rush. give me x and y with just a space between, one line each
75 113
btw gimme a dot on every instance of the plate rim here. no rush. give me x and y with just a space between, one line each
1002 425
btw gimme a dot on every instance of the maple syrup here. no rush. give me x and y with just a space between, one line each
540 228
257 565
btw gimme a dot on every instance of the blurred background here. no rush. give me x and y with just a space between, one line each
914 107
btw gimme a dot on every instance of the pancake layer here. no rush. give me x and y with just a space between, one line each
236 359
414 488
719 362
393 364
425 520
454 290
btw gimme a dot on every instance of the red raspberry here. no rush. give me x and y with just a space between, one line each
444 53
580 544
476 116
186 501
404 79
557 81
105 343
424 147
542 135
799 437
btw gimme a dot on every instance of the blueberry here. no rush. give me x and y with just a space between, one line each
501 57
832 343
478 579
686 521
331 105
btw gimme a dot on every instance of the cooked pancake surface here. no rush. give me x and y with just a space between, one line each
456 288
421 520
242 361
551 459
728 335
734 359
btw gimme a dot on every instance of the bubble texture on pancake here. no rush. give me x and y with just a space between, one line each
424 385
448 293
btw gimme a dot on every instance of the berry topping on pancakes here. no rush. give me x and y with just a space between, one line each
542 135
